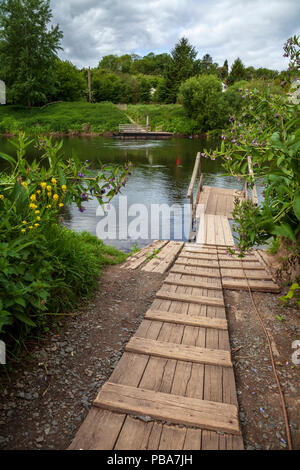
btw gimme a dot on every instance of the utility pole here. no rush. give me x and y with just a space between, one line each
89 85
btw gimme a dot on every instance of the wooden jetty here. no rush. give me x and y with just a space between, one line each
174 386
211 209
135 131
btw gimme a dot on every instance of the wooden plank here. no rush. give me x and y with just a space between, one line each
198 264
169 407
220 238
199 284
170 258
201 225
172 438
205 246
171 317
227 232
183 259
136 260
229 273
212 202
216 301
99 431
236 264
201 273
196 254
179 351
164 259
210 441
255 286
210 228
192 439
134 435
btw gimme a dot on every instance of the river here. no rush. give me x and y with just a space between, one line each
161 174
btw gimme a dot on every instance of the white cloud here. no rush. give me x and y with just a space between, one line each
254 30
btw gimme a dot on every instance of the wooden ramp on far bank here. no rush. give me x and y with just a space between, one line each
173 388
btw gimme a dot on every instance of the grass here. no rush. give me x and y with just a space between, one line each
87 117
62 118
274 246
79 260
169 117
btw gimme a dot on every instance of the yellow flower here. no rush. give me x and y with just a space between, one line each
36 225
60 204
24 222
32 206
39 191
49 206
43 185
53 181
55 197
30 227
25 184
37 212
38 218
1 196
33 197
49 188
64 187
49 194
23 230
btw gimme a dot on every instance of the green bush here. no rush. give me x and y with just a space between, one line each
45 268
204 102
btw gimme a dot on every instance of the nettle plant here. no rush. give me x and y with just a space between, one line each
267 129
32 198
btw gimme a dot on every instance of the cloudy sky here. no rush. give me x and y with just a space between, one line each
254 30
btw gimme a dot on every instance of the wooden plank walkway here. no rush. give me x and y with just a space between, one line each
218 201
157 257
174 386
214 230
236 273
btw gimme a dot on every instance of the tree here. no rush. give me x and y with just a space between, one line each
203 101
181 67
238 72
223 71
28 49
69 82
109 62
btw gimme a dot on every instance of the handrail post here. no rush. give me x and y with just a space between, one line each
190 193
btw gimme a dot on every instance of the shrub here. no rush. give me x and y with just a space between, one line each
203 101
45 268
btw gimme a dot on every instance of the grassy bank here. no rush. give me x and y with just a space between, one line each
62 118
168 117
97 118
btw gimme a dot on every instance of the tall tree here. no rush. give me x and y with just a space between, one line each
237 72
28 49
181 67
223 71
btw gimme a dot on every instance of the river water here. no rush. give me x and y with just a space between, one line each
161 174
